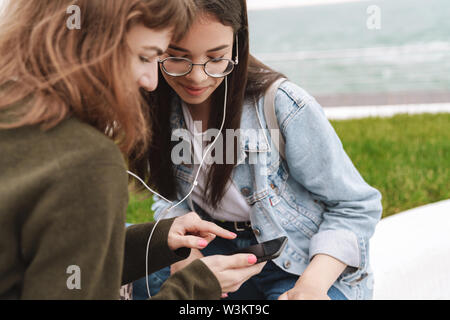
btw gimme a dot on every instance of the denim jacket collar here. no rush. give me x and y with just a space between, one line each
252 136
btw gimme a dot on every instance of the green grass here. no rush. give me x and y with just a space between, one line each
139 208
406 157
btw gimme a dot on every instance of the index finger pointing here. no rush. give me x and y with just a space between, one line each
209 227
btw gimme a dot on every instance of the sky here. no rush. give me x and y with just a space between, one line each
270 4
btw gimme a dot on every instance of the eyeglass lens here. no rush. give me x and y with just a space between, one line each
180 66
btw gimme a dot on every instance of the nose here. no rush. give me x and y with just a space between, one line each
149 79
197 75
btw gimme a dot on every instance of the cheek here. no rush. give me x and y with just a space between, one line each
136 70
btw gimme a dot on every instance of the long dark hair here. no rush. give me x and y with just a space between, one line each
249 80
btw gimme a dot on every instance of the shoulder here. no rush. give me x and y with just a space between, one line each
71 145
293 93
291 101
84 143
72 166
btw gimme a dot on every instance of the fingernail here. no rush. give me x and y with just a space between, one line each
234 235
202 243
252 259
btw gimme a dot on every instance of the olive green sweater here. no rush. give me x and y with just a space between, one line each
63 200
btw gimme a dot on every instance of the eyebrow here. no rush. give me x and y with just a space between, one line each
158 51
225 46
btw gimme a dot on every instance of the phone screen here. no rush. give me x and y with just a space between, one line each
267 250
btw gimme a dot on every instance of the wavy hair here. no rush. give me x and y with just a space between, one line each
49 72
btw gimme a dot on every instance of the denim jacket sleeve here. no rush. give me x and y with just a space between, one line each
160 206
317 160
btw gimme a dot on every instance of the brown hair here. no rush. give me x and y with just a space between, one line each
82 72
249 80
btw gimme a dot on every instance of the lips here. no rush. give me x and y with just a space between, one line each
195 91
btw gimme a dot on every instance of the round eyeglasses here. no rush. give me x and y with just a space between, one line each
179 67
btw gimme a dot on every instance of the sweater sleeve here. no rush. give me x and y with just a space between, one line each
73 240
73 196
195 282
159 253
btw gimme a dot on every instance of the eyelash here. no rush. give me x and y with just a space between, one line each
144 59
186 56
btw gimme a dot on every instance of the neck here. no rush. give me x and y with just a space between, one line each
201 112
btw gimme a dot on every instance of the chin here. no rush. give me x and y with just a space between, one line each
193 100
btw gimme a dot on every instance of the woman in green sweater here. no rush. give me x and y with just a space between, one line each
70 75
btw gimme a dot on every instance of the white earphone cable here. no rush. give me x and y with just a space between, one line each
161 217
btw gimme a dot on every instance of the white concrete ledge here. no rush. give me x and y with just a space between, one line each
410 254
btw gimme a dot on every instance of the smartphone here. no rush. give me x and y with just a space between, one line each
267 250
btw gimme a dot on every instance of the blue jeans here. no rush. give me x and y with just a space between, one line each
267 285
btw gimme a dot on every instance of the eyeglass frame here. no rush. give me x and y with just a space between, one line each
192 64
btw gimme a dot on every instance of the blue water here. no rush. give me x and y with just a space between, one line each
329 49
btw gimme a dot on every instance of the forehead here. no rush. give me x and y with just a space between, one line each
140 36
206 32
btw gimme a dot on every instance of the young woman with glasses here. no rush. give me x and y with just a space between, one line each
314 195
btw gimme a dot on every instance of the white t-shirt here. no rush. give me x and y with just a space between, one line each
233 206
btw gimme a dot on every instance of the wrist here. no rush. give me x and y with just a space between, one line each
312 285
321 273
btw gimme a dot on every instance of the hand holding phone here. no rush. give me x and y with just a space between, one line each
265 251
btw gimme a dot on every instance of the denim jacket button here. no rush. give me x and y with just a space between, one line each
287 264
246 192
257 232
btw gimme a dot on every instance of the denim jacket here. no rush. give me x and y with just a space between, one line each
315 197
